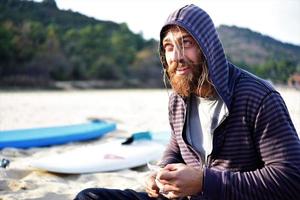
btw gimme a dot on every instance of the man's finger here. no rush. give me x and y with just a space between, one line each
152 193
170 188
172 167
151 187
165 175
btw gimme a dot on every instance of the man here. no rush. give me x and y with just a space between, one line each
232 136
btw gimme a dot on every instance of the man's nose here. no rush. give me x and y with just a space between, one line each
177 54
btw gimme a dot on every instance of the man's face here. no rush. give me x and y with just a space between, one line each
183 57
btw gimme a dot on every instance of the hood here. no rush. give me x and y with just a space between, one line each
199 24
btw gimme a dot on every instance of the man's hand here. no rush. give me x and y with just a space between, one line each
151 187
180 180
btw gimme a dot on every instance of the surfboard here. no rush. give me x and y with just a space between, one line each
39 137
113 155
106 157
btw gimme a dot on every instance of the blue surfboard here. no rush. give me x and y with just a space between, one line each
39 137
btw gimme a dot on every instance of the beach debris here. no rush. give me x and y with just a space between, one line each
4 163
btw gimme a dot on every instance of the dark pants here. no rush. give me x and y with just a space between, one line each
113 194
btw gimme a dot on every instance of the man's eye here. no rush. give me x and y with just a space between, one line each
188 43
168 47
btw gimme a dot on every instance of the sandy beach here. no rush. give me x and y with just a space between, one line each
132 110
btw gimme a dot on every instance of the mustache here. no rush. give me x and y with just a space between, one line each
178 64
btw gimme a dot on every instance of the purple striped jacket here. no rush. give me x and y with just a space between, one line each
256 150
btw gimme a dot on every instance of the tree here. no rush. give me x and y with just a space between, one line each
49 3
104 69
277 71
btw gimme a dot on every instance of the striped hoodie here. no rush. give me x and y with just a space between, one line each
256 150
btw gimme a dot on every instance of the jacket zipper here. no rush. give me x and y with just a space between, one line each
208 159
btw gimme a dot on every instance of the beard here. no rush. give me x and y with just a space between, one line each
187 84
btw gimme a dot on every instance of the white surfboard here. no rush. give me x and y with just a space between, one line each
110 156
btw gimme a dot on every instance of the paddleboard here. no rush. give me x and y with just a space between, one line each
38 137
109 156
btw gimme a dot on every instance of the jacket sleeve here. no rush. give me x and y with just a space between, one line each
172 153
278 145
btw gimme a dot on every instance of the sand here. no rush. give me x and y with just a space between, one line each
132 110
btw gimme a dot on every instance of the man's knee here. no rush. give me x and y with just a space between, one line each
105 194
89 194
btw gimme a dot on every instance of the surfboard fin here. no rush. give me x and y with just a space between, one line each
146 135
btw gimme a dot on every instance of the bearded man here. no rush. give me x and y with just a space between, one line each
232 136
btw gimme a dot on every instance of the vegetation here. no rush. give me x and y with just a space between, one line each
259 54
40 44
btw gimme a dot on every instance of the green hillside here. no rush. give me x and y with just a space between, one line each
246 46
40 44
260 54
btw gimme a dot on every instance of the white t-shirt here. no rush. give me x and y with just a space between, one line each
204 116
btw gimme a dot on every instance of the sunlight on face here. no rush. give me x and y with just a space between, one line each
185 63
180 47
184 60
